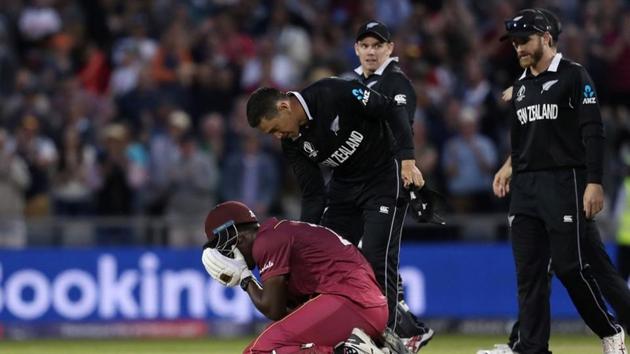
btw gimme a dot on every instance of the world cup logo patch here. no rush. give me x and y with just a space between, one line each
309 149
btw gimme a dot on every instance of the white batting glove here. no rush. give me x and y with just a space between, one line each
225 270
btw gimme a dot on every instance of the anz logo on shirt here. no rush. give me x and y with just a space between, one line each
589 95
361 95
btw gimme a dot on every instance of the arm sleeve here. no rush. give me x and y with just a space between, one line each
399 88
273 255
591 127
514 134
310 180
372 105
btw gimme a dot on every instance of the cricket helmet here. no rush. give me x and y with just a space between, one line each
221 224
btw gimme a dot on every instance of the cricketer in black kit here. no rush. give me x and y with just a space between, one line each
613 287
554 175
380 71
338 123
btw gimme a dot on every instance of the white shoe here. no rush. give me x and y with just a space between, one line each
414 343
615 344
498 349
360 343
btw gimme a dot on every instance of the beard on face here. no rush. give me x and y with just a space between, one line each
533 58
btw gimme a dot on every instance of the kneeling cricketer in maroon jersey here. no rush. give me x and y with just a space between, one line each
316 286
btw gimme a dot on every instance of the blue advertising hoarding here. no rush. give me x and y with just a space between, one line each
152 284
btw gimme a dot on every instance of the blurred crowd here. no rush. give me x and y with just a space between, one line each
123 108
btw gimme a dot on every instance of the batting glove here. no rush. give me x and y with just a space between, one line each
227 271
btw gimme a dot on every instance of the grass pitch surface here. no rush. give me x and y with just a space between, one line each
441 344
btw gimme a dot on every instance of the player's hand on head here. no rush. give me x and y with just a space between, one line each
410 174
227 271
593 200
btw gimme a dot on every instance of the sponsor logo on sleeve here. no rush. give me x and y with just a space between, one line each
400 99
361 95
589 95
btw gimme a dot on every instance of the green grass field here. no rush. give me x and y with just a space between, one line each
442 344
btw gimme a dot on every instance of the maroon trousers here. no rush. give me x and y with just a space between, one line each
318 326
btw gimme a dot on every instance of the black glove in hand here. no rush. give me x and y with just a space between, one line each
424 202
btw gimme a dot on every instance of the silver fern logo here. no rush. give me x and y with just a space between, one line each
334 126
547 85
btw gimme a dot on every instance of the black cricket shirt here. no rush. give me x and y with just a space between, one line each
391 81
345 133
556 122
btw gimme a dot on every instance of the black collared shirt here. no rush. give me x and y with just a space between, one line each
391 81
556 122
344 132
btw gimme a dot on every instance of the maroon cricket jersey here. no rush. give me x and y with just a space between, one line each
316 261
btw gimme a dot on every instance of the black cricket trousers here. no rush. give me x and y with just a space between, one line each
547 223
372 212
611 283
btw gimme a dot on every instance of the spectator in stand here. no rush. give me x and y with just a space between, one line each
469 160
616 53
94 74
14 179
8 62
269 68
235 46
164 151
40 154
26 99
172 55
74 179
141 102
292 41
114 195
193 180
426 154
250 176
125 76
137 41
39 20
477 93
213 137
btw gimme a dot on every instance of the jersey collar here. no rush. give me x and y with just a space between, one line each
553 67
379 71
302 102
300 99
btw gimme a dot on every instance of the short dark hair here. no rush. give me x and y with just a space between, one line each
262 103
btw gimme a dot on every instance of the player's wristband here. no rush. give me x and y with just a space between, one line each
245 282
